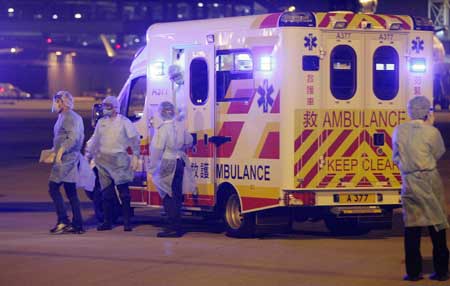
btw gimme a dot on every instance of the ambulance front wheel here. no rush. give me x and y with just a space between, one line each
238 224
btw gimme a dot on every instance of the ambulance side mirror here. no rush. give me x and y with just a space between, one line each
97 113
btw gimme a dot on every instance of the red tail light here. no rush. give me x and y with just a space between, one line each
300 198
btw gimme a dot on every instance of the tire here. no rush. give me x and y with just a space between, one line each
237 224
342 227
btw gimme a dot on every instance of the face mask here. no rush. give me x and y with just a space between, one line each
57 107
107 112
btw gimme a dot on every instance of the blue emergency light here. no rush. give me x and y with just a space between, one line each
417 65
157 69
265 63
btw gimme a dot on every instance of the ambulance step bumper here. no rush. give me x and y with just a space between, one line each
370 216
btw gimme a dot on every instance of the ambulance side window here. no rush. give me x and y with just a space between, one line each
136 100
198 81
343 72
385 73
233 65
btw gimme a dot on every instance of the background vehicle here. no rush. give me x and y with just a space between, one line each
9 91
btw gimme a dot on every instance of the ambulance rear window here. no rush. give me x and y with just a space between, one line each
136 98
234 75
199 81
385 73
343 72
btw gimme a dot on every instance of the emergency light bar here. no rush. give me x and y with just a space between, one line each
423 24
417 65
297 19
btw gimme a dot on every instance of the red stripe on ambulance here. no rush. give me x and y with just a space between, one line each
307 155
405 25
276 104
347 178
326 180
270 21
230 129
302 138
271 147
249 203
242 107
309 177
379 19
338 142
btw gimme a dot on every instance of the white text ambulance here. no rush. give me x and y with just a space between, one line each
292 113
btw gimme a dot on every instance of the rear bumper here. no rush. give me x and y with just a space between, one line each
373 217
331 198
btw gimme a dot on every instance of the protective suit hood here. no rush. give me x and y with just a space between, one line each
418 107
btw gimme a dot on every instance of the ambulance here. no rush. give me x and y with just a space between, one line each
292 114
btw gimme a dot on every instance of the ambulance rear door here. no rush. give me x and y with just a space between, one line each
342 107
385 102
199 90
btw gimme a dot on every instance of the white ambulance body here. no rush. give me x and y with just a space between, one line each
292 113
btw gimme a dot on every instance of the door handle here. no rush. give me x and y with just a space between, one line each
219 140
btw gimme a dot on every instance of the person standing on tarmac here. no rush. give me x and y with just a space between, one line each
167 162
113 135
417 145
68 136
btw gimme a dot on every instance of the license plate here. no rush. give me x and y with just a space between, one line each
356 198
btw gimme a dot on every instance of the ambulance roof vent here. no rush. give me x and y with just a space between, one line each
297 19
338 22
393 24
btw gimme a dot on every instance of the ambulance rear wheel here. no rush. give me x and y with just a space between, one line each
342 227
238 224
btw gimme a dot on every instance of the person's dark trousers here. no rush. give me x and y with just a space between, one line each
172 205
440 251
124 193
109 196
97 198
413 258
71 193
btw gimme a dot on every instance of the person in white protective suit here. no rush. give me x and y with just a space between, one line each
114 134
68 136
170 166
417 146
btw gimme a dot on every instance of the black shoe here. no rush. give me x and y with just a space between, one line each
412 278
438 277
104 226
170 233
127 227
60 228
